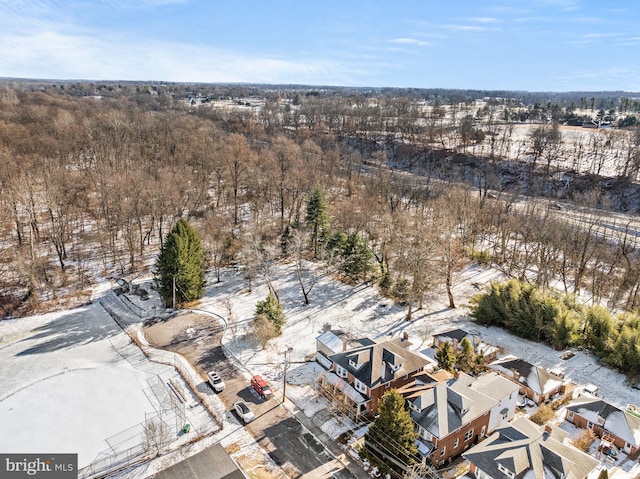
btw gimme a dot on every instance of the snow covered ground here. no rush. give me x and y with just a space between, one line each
73 382
360 311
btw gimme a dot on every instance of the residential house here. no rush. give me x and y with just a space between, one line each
455 337
535 382
621 427
369 370
334 341
522 449
451 414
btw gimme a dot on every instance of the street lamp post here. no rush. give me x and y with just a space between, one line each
287 358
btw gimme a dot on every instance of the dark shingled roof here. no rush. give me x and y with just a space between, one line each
535 378
618 422
212 463
524 448
457 334
381 362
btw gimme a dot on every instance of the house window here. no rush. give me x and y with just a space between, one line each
570 416
455 444
406 376
483 430
506 471
426 434
360 387
387 385
590 425
342 372
443 451
468 435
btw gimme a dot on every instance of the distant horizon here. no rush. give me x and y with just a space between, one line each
491 45
309 86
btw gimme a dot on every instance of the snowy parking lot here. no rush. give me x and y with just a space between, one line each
73 382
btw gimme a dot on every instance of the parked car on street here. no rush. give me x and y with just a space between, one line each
243 411
216 381
261 386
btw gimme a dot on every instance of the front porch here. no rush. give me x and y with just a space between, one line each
342 395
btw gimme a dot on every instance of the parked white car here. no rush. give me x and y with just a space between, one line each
216 381
244 412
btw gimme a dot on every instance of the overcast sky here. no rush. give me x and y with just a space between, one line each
536 45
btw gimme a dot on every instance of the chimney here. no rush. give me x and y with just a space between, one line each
547 432
405 336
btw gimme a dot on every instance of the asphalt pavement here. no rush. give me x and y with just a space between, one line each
291 439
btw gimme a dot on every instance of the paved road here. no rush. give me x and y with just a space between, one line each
281 435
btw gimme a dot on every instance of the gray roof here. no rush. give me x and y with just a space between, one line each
491 384
524 449
331 340
444 407
617 421
538 379
380 362
212 463
457 334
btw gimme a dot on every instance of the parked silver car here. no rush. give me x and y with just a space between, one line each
216 381
244 412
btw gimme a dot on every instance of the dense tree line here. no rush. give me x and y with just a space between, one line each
558 320
94 176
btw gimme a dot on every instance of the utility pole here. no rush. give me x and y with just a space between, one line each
287 357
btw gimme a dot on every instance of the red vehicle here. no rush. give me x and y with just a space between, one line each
261 386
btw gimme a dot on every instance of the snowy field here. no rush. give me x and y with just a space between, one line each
73 382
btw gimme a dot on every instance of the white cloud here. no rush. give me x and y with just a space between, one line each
465 28
484 19
567 5
409 41
103 57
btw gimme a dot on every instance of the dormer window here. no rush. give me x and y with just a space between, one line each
506 471
353 364
342 372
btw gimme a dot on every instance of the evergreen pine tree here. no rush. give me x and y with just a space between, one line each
317 218
181 259
446 356
273 310
466 357
390 441
356 258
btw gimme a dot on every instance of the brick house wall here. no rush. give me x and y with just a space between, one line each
599 431
474 430
376 393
